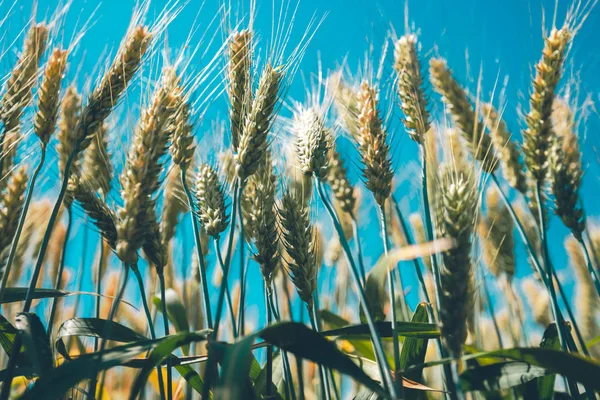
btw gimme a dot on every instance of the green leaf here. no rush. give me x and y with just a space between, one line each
543 388
58 381
499 376
260 384
571 365
14 294
160 354
176 312
362 347
94 327
234 382
7 337
409 329
414 349
298 339
191 377
35 341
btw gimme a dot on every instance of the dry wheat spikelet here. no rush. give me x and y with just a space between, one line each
373 147
537 136
507 150
67 123
312 141
154 248
11 206
18 95
457 200
253 139
96 168
49 95
96 208
140 177
410 88
463 115
240 91
566 171
104 97
337 177
210 197
496 232
182 142
299 241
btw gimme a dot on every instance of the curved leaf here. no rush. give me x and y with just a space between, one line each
361 346
94 327
260 384
35 342
160 353
301 341
543 388
414 349
58 381
499 376
409 329
14 294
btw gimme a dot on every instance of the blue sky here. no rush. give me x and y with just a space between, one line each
501 39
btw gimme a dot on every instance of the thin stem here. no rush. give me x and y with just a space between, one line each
359 255
163 300
201 264
289 383
61 268
562 293
590 265
390 277
410 241
491 311
210 371
94 380
300 378
383 363
241 307
549 275
227 291
15 242
140 281
269 347
48 233
82 264
312 313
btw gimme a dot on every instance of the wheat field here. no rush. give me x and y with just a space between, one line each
152 246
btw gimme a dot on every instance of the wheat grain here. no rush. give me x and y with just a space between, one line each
240 93
210 197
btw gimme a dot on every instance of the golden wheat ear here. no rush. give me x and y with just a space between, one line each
11 207
239 89
210 196
463 114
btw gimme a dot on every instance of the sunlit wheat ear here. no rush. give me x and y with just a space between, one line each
49 95
173 205
537 136
210 197
301 185
104 97
346 102
240 93
418 229
253 139
312 141
97 168
96 208
182 142
410 88
566 170
538 301
337 177
155 250
140 177
456 219
67 123
507 150
264 222
372 145
11 206
587 301
37 214
462 113
18 95
298 240
496 232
